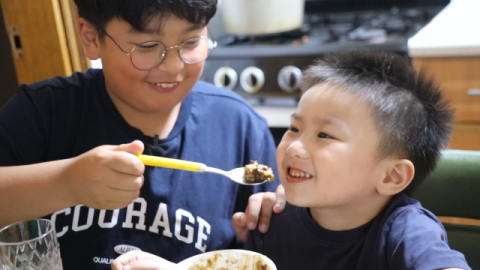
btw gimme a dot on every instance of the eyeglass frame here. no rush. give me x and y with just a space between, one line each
164 52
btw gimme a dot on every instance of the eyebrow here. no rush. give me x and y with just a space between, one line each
325 121
193 27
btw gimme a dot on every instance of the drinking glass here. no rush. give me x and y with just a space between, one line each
29 245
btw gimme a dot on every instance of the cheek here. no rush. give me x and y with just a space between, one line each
130 75
123 80
194 71
280 158
280 154
123 71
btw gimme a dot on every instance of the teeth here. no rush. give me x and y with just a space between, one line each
166 85
299 174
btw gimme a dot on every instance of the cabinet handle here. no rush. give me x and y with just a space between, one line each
473 92
15 42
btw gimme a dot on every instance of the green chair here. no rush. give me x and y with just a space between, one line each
453 190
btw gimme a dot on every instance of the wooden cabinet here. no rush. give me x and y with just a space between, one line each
43 38
459 77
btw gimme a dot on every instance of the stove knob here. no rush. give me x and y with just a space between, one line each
289 78
226 77
252 79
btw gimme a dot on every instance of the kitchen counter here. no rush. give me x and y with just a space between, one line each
455 31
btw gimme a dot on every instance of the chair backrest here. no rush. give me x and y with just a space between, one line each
453 190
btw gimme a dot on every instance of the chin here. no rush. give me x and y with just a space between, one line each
298 200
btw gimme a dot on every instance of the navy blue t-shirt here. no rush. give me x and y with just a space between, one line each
403 236
178 213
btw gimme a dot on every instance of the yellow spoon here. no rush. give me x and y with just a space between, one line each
237 175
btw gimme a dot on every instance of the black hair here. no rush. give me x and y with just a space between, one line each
414 120
138 13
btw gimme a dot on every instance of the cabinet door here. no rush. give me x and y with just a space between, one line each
466 136
459 78
43 38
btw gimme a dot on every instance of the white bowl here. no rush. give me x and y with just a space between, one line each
231 259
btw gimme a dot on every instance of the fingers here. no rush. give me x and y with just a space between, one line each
270 202
259 210
239 224
124 182
135 147
121 192
239 219
252 212
109 199
280 200
151 264
139 260
266 211
106 177
125 259
126 163
122 158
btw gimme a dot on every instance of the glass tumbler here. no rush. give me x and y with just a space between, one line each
29 245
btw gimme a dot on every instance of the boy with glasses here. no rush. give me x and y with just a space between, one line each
68 145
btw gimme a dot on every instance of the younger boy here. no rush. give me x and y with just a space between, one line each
367 131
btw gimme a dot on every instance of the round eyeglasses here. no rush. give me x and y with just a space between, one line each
150 54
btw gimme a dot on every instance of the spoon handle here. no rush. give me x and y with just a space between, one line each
172 163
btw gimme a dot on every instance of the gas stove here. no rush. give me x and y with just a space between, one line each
268 69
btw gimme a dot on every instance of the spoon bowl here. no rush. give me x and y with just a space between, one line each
236 175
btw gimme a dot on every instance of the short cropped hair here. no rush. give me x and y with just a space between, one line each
139 12
413 118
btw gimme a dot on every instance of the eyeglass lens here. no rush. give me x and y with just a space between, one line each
150 54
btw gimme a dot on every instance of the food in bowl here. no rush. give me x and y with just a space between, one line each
257 173
230 259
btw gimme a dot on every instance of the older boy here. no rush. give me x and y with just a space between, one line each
70 143
367 131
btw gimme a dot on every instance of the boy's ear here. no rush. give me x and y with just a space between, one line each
89 38
397 177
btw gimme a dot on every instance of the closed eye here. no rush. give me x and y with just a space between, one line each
192 42
149 46
324 135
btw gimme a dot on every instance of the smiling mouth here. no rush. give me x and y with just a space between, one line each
298 174
166 85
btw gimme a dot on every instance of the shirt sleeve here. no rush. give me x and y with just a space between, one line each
417 240
22 131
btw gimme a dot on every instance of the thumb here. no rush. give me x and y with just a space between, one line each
239 225
280 200
239 219
135 147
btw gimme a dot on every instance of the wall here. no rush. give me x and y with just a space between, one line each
8 77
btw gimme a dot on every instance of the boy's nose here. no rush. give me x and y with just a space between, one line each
172 62
297 149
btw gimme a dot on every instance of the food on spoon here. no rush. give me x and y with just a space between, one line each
256 173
